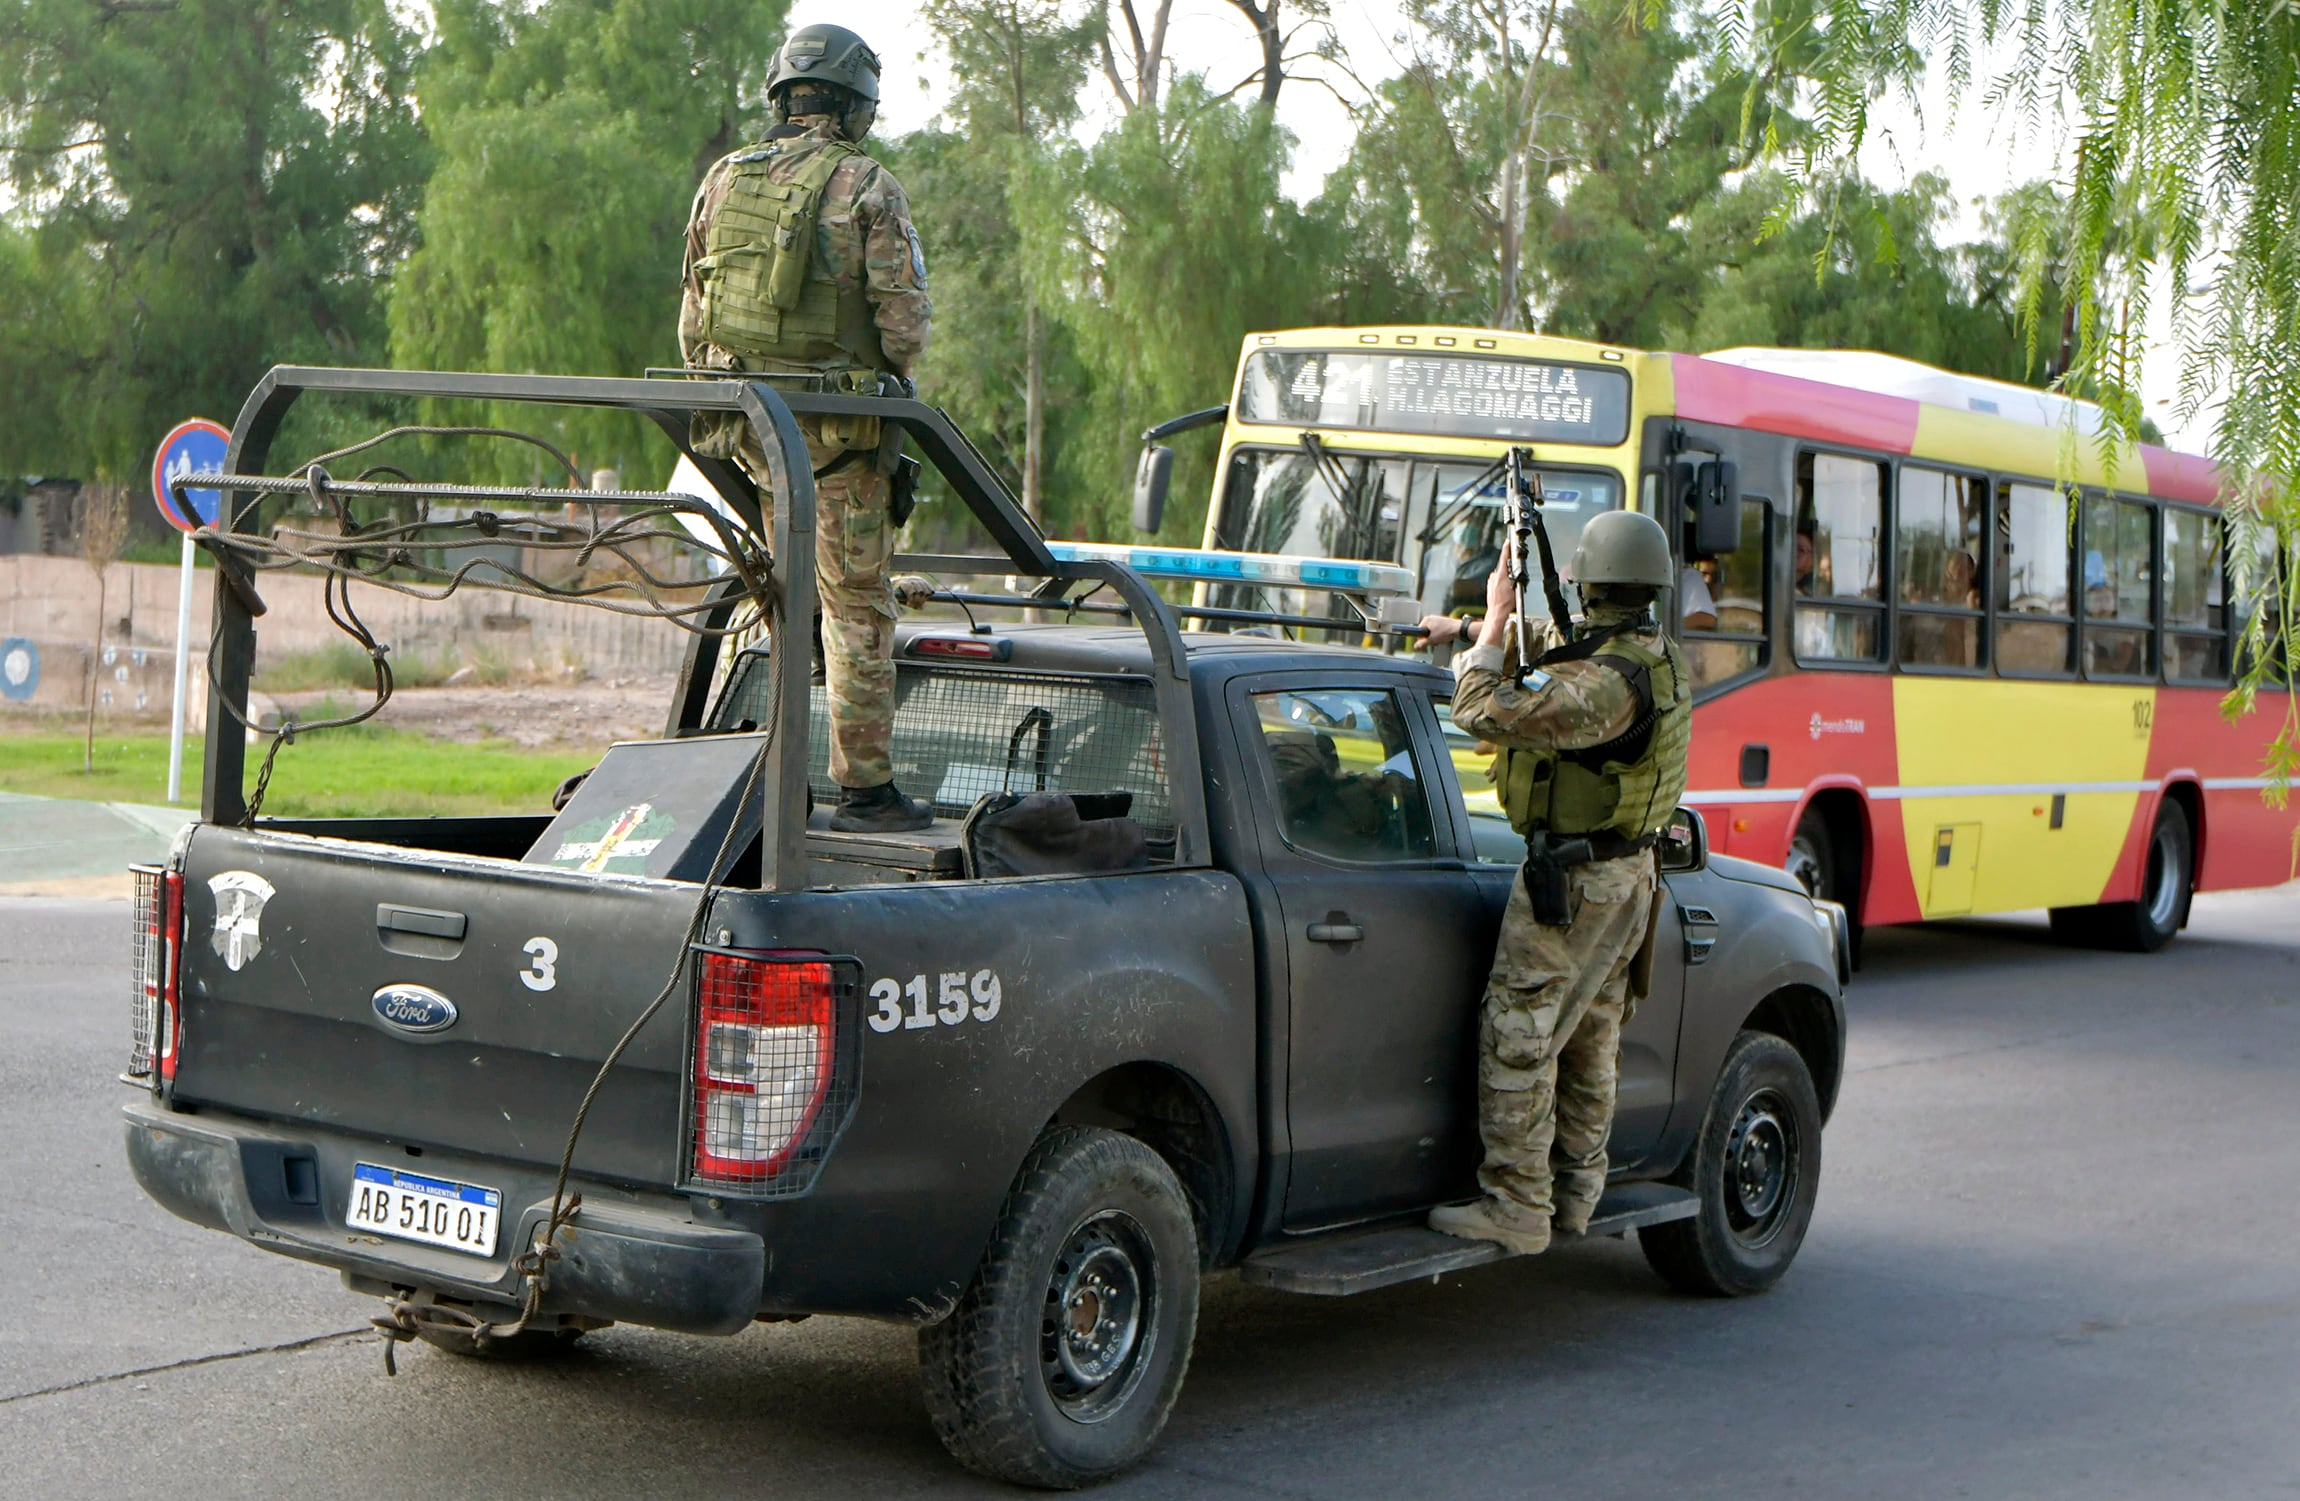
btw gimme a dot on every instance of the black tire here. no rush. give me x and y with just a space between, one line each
526 1345
2167 885
1813 857
1095 1222
1818 865
1756 1167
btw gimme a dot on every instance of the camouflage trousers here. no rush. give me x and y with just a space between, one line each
854 539
1550 1040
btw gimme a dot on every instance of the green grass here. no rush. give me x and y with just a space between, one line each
355 773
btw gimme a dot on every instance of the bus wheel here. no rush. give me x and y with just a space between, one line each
2167 883
1813 857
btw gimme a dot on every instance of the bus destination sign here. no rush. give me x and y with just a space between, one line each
1442 395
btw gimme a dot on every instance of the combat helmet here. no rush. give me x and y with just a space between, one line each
1623 547
827 55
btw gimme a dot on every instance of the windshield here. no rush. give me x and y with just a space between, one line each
1442 518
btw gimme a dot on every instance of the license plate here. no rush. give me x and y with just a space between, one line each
436 1211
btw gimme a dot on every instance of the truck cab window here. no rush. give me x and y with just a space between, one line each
1342 761
1493 841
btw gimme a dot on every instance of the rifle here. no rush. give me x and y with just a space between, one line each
1525 525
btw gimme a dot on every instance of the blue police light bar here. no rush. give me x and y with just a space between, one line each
1272 569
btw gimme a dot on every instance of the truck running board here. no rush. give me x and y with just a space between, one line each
1362 1258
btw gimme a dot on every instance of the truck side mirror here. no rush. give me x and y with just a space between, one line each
1151 477
1715 497
1684 842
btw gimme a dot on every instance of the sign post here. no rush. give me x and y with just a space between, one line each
188 448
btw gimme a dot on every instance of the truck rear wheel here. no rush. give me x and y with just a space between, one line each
1064 1356
1756 1168
2167 882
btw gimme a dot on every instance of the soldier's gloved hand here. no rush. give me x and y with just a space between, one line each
913 591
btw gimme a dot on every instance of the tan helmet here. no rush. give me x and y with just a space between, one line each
1623 547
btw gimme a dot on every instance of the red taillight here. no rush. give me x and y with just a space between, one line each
155 1016
765 1049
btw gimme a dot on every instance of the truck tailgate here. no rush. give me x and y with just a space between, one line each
297 957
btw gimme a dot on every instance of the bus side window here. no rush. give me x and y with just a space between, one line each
2195 624
2032 580
1722 603
2119 568
1839 569
1938 529
2264 596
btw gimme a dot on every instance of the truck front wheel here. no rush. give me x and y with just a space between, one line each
1756 1168
1062 1359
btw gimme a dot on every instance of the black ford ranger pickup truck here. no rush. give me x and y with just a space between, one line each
1184 977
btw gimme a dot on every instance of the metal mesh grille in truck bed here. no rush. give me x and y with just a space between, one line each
960 732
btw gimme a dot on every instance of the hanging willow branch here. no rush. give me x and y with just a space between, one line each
2185 178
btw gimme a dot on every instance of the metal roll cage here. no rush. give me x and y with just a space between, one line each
771 411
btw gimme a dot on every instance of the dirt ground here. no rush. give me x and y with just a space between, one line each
587 714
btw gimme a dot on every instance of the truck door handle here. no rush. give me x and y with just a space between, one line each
1336 929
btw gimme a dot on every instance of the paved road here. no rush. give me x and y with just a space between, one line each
2057 1254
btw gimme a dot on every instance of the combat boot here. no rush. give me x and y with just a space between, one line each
879 810
1520 1230
1571 1218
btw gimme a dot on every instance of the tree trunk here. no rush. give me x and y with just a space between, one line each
1512 240
95 676
1033 412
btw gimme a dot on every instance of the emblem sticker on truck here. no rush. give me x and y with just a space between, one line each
240 898
942 1000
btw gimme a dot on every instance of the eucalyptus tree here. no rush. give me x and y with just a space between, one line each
570 138
200 190
1000 186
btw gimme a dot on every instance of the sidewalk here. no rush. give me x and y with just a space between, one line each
60 847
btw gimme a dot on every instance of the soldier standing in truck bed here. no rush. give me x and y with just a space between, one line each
1593 746
801 257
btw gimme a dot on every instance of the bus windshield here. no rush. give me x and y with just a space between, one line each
1443 518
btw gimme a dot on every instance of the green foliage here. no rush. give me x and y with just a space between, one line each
203 189
570 138
1187 243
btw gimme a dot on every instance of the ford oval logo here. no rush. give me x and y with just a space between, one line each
414 1008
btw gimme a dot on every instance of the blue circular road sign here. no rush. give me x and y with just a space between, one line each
19 669
189 448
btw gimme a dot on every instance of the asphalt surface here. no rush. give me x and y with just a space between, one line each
2057 1253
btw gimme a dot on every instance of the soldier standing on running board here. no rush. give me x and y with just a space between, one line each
801 258
1593 743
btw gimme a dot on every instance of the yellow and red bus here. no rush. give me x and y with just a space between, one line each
1948 662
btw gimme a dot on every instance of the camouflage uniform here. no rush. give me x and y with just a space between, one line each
1557 998
864 234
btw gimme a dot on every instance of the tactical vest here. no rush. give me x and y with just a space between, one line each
1630 784
766 295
